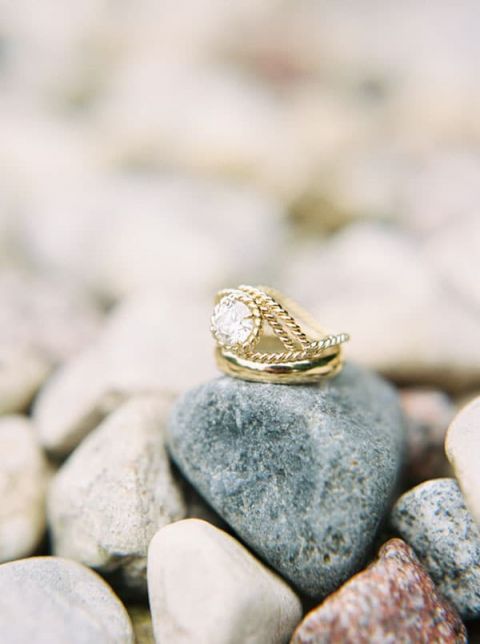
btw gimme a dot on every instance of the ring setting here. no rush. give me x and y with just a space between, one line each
263 336
236 321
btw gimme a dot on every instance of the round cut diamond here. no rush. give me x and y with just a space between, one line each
232 321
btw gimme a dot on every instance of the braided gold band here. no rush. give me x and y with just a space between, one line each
263 336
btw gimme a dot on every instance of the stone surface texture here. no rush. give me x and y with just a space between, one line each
205 587
141 349
114 492
50 600
463 449
24 477
433 519
303 474
393 600
428 413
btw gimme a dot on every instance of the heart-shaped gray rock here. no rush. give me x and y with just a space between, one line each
303 474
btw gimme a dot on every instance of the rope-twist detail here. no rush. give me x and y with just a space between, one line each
314 350
282 323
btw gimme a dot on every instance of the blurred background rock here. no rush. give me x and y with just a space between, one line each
166 148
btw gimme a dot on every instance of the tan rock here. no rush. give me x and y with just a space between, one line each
462 446
205 587
23 485
114 492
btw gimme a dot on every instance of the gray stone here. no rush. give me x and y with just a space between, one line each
433 519
23 486
49 600
114 492
205 587
303 474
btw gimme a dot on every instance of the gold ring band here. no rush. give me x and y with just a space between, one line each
263 336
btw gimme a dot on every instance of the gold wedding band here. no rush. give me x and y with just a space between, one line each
263 336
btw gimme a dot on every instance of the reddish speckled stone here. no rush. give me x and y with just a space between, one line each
392 601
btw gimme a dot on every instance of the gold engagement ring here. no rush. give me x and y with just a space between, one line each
263 336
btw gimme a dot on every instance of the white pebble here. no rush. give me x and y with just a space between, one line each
205 587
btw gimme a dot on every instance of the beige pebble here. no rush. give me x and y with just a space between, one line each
113 493
205 587
463 450
23 485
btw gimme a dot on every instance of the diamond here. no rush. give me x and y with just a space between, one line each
232 321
